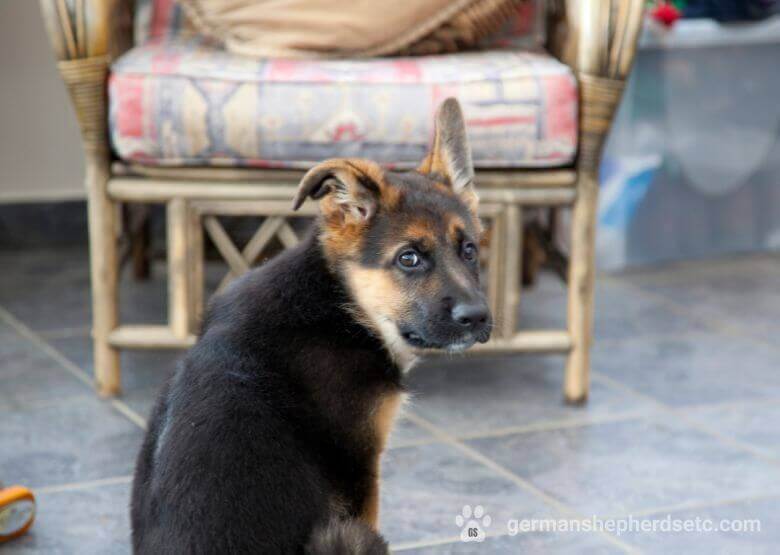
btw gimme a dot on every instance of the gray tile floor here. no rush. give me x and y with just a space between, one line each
683 421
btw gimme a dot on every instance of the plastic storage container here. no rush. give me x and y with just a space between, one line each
692 167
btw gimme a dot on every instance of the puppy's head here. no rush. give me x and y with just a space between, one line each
406 243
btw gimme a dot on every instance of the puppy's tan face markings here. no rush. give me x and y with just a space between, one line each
406 242
382 292
418 253
421 231
352 191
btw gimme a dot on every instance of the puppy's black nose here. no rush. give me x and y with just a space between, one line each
471 316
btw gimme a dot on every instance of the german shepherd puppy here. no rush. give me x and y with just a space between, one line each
267 439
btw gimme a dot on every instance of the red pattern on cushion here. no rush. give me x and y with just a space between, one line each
129 121
163 18
560 97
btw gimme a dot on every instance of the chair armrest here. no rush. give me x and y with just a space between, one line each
78 29
608 32
597 38
84 35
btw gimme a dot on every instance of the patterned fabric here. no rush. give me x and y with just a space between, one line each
184 102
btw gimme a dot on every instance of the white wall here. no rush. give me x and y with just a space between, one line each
40 150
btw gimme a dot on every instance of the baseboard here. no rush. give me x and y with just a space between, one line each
43 224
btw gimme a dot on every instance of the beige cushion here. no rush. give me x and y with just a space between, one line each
347 28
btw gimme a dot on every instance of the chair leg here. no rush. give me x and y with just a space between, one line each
495 266
580 292
179 298
104 266
513 247
195 272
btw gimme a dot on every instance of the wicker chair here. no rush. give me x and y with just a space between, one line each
595 38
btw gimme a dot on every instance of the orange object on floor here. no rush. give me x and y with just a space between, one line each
17 512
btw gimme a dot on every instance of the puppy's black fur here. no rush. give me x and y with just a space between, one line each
253 443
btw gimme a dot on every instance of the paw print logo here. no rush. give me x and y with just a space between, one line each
472 524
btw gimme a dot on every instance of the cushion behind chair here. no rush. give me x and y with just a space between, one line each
523 28
345 28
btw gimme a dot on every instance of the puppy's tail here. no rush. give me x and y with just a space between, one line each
346 537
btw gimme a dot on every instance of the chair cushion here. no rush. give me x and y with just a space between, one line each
184 102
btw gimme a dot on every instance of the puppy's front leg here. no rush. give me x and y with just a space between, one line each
370 511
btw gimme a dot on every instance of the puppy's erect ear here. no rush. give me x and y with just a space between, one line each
348 187
450 155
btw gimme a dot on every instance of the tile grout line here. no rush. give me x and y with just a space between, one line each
432 542
710 323
541 426
66 333
553 425
725 405
689 421
124 409
511 476
665 271
70 367
640 338
28 403
693 506
78 486
413 443
28 334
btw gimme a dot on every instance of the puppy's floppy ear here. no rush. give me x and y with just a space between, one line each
346 187
450 155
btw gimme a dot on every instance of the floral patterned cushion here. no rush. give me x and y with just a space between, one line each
180 101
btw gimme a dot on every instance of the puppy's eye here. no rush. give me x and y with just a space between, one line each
409 259
469 252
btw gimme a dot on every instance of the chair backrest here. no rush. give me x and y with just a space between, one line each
165 19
